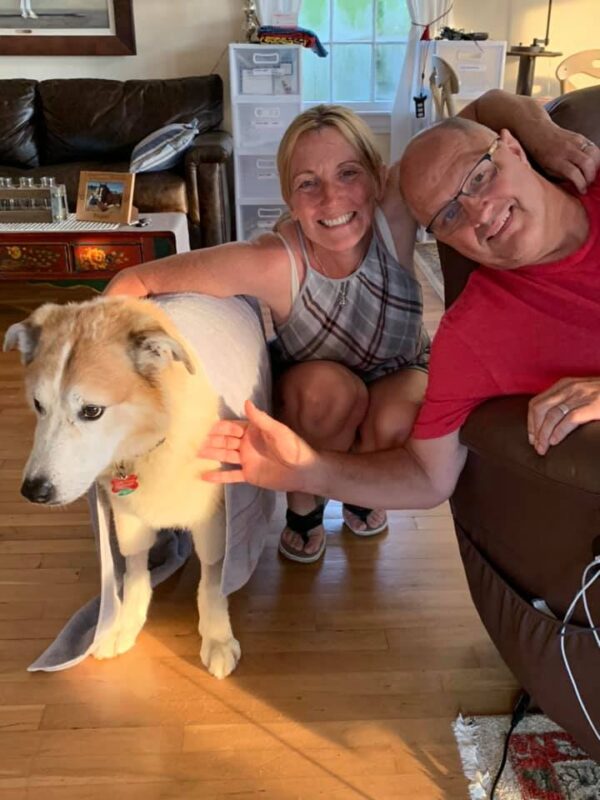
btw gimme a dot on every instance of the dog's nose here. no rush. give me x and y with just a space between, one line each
38 490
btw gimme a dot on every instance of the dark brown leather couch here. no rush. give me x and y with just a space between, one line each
526 524
60 127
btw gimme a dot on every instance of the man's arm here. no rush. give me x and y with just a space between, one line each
555 149
421 474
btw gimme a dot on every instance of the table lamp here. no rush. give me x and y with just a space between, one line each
538 44
527 55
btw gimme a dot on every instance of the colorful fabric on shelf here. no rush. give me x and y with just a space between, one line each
270 34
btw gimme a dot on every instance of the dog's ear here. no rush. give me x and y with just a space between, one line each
25 337
154 349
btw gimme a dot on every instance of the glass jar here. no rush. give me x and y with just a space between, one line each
59 202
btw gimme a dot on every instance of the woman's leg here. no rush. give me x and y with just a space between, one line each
394 402
325 403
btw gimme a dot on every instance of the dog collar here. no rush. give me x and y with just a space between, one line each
126 482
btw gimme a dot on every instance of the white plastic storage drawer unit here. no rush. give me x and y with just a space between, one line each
258 176
257 219
261 125
265 98
479 66
264 70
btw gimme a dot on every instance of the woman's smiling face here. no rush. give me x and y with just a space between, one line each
333 196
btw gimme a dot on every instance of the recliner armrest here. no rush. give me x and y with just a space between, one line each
212 147
498 430
206 164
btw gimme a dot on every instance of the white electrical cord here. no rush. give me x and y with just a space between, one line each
585 586
588 613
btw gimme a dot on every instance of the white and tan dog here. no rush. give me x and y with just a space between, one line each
121 399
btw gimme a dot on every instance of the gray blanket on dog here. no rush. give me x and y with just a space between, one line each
229 342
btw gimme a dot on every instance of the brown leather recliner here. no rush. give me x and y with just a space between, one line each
60 127
526 524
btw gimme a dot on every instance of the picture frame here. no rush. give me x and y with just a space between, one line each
106 197
72 28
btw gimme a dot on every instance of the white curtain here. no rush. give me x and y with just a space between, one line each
404 123
269 10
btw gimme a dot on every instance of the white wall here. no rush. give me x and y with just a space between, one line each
574 26
188 37
174 38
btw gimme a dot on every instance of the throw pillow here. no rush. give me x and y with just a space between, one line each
163 148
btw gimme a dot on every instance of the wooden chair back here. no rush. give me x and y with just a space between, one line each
443 83
586 62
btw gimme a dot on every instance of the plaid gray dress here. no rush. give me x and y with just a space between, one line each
370 321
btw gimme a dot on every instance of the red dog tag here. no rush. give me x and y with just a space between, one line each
125 485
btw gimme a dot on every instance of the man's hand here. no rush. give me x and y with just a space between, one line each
268 453
565 154
552 415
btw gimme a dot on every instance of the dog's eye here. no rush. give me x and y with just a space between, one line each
38 406
92 412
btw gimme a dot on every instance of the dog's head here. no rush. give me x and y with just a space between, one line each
93 377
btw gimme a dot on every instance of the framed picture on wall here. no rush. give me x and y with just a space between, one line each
106 197
66 28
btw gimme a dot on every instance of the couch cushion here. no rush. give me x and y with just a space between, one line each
91 118
160 191
17 108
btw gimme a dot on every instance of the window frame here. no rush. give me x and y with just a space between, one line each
376 112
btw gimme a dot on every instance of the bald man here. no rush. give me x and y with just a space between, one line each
528 319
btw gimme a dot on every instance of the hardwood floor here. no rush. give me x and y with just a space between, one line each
352 669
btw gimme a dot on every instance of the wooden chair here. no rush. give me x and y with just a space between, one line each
443 83
586 62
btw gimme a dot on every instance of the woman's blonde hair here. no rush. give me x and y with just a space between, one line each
356 132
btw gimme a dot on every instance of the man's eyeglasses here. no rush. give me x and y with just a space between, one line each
449 218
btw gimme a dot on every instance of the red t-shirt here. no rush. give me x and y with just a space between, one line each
516 332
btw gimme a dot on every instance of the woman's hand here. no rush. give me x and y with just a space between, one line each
268 453
127 283
564 154
560 409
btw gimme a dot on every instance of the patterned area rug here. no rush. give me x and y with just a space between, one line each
428 261
544 763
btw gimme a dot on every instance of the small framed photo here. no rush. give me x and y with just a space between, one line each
106 197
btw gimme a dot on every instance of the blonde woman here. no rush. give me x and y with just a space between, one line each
350 356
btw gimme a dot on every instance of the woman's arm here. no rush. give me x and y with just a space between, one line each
253 268
555 149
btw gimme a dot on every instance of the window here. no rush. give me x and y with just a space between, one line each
366 41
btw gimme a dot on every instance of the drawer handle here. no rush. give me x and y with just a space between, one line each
265 58
269 213
265 163
264 112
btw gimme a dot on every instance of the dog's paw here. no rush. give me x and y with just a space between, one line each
220 658
114 643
